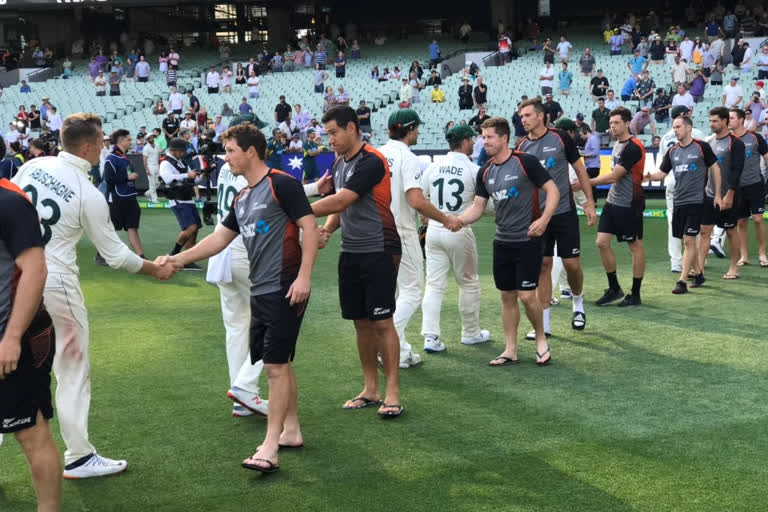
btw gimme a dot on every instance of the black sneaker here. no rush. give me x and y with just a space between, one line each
100 261
629 301
697 281
192 266
609 296
680 288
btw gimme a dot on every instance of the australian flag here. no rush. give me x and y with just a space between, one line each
292 163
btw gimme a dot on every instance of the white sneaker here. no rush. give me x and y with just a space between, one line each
433 344
251 401
484 336
94 466
531 336
410 361
239 411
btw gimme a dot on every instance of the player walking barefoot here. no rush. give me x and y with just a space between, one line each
450 185
555 150
268 214
513 181
69 206
622 215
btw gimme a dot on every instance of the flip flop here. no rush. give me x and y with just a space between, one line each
731 277
764 262
290 446
544 363
507 361
742 263
366 402
391 415
272 468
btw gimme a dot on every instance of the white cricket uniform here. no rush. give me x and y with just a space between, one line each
674 245
152 154
559 275
450 186
69 205
229 270
405 170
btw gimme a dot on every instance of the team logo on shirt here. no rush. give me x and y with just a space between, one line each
549 162
692 166
748 153
513 193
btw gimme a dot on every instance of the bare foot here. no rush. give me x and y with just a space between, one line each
291 439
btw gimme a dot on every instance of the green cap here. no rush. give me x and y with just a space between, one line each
565 124
459 132
403 118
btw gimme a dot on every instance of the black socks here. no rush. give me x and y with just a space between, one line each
613 282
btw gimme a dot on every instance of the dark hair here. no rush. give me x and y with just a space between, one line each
535 103
78 129
499 125
118 134
343 115
739 113
455 144
247 135
686 120
400 132
37 143
720 112
623 112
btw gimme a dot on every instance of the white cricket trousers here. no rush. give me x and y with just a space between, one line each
410 285
457 252
72 367
154 173
674 245
236 314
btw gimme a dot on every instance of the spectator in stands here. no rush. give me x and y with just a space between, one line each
762 62
114 84
591 152
671 52
253 85
202 119
93 68
661 106
188 123
375 75
340 65
747 60
615 42
686 49
171 126
100 83
295 146
480 93
465 32
320 57
712 29
437 95
342 98
173 58
240 75
245 108
601 117
170 76
277 62
302 118
479 119
564 49
416 86
395 73
34 118
355 50
637 63
54 123
750 123
547 78
657 51
628 88
434 79
465 94
680 71
548 50
565 78
275 149
288 127
434 54
697 85
448 126
642 48
25 88
732 94
176 101
117 68
587 63
39 57
226 80
364 117
194 103
162 62
730 25
683 97
505 48
320 77
552 110
598 85
416 69
213 80
283 110
329 99
644 89
640 120
226 110
716 72
289 59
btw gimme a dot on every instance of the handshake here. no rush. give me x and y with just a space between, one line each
166 266
453 223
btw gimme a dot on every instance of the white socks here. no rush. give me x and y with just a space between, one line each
546 320
578 303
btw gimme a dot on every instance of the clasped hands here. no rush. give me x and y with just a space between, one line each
166 266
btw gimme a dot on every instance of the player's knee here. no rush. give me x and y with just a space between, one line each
546 265
276 371
528 298
509 297
602 242
758 219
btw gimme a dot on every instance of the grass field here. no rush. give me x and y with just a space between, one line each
659 408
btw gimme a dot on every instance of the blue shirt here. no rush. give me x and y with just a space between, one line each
116 170
629 86
565 77
616 42
245 108
25 88
434 51
713 28
637 63
592 147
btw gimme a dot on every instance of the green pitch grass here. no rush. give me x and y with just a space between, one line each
658 408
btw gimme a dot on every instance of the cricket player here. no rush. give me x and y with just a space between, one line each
69 206
450 185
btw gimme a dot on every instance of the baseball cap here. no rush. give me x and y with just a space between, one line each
759 83
565 124
734 77
580 116
403 118
678 110
549 95
177 144
459 132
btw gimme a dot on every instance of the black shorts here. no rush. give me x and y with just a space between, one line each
187 215
275 326
28 389
593 172
516 266
562 229
125 213
752 200
686 220
712 215
143 79
367 285
213 90
624 222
